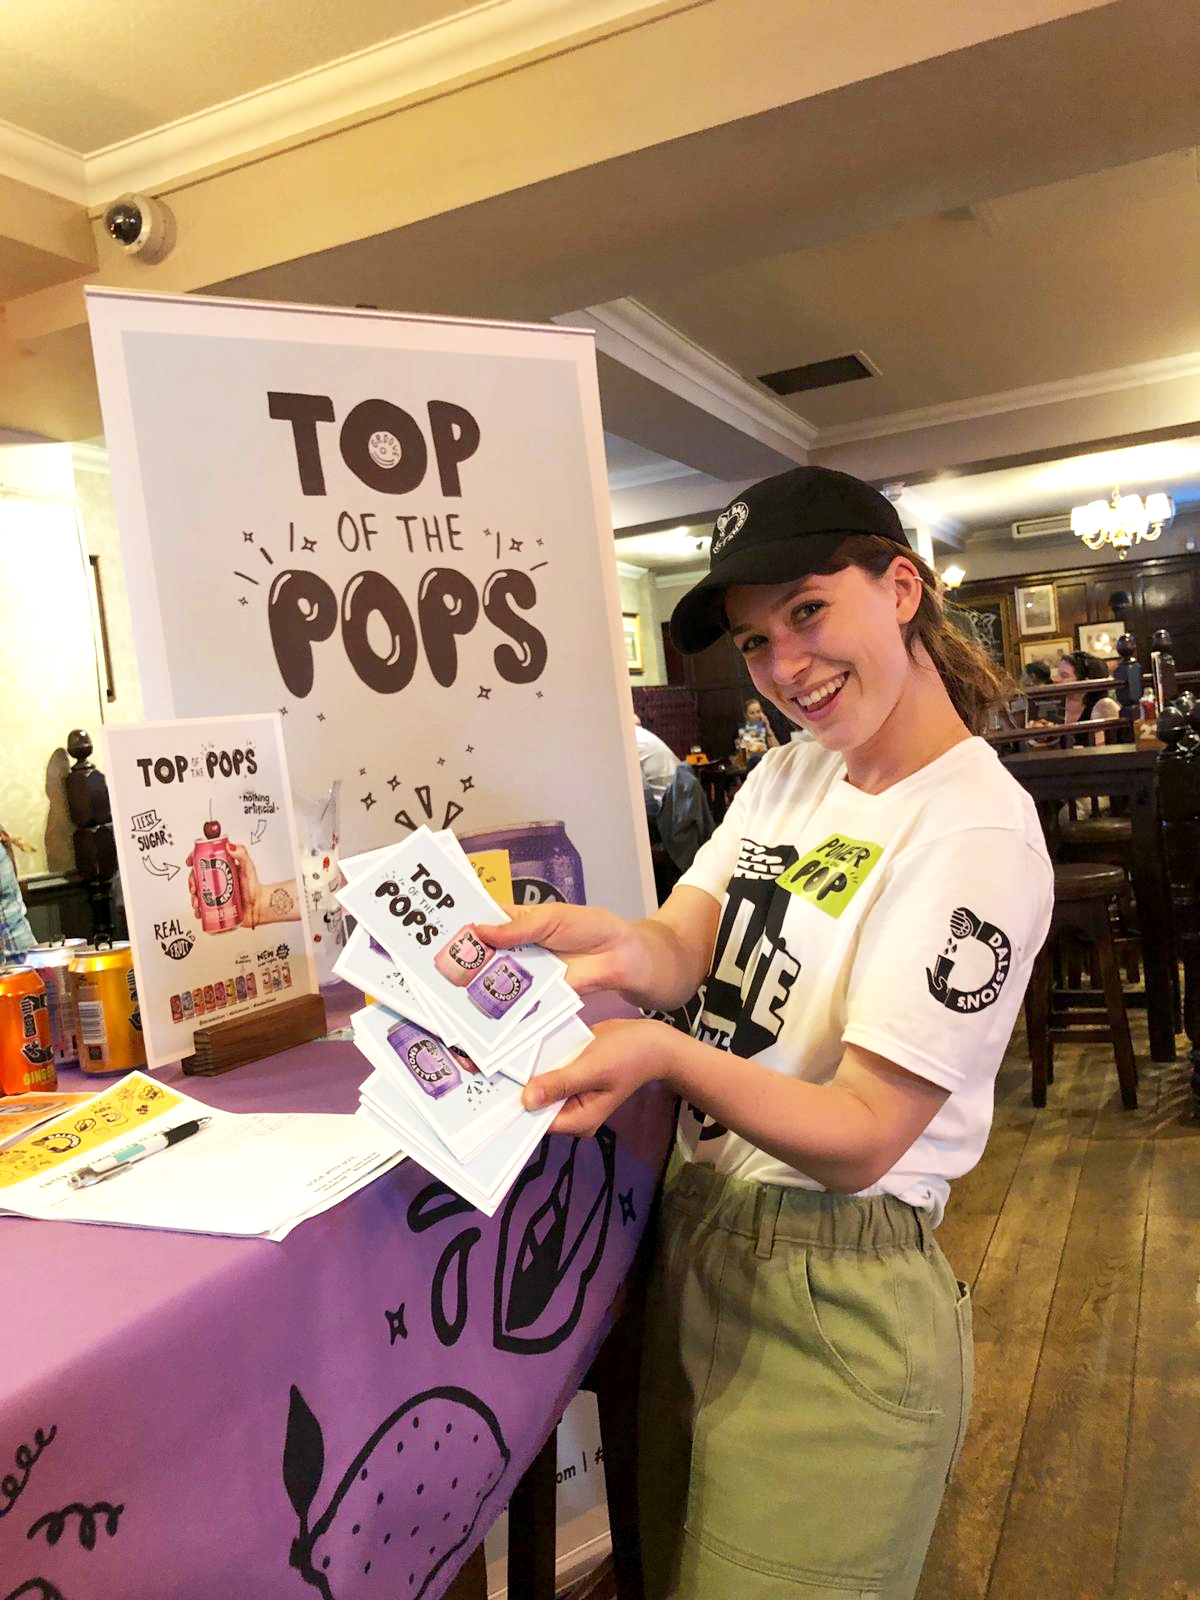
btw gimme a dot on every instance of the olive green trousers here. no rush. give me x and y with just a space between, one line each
805 1390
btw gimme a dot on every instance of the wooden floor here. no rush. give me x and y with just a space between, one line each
1079 1233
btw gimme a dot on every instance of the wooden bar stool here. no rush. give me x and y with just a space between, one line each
1082 893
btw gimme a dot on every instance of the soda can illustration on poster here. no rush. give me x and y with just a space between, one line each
210 870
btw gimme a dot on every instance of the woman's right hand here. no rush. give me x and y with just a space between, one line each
599 948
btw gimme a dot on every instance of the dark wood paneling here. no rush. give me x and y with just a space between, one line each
721 684
1164 592
1072 606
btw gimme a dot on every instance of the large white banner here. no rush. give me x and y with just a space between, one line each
393 531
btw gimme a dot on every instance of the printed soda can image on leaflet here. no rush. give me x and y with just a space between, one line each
26 1053
463 957
217 888
185 1000
498 987
110 1024
176 1008
52 962
544 864
240 989
198 1001
251 986
430 1065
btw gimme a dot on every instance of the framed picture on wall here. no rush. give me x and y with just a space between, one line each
992 619
1100 638
1037 609
631 627
1049 650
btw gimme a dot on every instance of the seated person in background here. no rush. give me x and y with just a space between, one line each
15 933
756 735
658 762
1084 705
1041 712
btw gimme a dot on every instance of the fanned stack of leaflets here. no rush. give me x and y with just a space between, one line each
455 1028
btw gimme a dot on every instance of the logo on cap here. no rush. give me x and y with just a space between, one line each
729 524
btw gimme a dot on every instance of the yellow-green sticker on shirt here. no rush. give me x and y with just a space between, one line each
831 874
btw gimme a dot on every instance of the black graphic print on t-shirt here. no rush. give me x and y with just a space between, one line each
752 972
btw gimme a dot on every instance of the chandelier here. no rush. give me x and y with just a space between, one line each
1123 521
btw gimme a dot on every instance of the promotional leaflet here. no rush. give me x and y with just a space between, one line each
202 814
463 1107
422 905
111 1159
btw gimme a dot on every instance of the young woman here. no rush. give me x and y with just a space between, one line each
756 734
1082 705
861 927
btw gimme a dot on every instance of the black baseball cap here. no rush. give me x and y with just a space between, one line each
784 527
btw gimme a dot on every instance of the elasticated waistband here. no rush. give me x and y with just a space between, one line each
766 1212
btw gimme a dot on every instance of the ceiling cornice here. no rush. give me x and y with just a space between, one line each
42 164
482 39
1142 374
630 333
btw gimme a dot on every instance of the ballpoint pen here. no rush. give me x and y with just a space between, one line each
120 1160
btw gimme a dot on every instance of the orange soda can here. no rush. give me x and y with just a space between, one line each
26 1053
110 1024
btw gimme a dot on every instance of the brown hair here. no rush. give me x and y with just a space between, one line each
971 677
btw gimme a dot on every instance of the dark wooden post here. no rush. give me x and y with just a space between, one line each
1179 811
95 847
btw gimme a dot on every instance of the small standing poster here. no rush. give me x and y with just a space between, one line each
202 813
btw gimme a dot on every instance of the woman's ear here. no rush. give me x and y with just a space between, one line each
908 589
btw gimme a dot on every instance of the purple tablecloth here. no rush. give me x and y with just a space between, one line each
349 1410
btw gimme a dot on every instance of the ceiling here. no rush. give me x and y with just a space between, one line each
88 76
1014 252
1096 272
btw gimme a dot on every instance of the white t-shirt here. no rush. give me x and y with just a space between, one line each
905 922
658 762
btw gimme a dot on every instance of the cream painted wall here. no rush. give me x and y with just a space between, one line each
638 594
669 588
48 682
1010 557
94 489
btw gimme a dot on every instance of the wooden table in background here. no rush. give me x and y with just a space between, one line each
1054 776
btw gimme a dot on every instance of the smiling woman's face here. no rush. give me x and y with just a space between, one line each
829 650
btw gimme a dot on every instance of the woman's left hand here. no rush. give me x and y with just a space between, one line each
623 1057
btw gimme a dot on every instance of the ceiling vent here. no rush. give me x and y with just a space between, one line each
821 374
1042 527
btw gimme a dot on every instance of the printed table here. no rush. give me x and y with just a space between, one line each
346 1412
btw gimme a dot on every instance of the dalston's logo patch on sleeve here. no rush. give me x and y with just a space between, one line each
975 946
832 874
